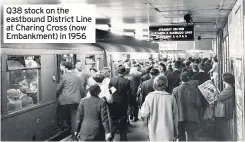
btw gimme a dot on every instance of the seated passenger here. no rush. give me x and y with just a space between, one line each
14 102
25 100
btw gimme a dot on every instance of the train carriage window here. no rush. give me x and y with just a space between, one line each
23 82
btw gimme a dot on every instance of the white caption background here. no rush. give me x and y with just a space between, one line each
59 35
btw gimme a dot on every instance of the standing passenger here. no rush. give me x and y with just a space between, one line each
174 77
161 108
92 118
147 86
119 107
188 102
227 97
69 96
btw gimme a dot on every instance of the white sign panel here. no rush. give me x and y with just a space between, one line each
168 45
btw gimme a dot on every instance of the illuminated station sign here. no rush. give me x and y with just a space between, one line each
172 33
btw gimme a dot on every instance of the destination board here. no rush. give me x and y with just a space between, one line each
172 33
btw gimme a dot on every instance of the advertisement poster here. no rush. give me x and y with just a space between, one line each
209 91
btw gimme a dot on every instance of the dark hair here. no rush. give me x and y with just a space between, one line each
121 69
190 59
228 78
195 67
188 63
68 65
201 66
215 59
177 64
154 72
99 77
163 66
148 70
94 69
185 76
94 90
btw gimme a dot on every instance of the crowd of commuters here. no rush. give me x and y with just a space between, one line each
163 93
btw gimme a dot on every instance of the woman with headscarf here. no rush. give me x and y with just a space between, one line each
227 98
161 109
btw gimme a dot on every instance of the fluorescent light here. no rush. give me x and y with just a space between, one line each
103 27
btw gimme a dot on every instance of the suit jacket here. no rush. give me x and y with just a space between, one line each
84 82
147 87
188 101
227 97
120 96
145 77
69 89
93 118
173 80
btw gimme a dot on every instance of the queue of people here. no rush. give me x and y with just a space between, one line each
165 94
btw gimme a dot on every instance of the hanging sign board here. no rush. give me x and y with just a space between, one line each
172 33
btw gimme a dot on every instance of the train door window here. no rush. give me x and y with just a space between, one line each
23 77
71 58
90 62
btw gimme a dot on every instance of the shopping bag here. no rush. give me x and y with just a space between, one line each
219 110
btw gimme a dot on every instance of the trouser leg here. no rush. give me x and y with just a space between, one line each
123 127
181 129
73 110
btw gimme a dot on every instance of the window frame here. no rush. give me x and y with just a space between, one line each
5 74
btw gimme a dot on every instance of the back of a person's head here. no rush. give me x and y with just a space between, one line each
154 72
201 67
98 77
187 63
215 59
185 76
160 83
68 65
23 89
195 68
148 70
94 90
228 78
163 66
13 94
177 64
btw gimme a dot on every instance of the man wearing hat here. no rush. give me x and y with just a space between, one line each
69 95
118 109
174 77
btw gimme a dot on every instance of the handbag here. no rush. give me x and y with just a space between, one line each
219 110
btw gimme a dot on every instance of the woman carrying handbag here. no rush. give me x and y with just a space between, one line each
224 109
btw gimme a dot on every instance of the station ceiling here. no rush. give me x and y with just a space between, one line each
129 15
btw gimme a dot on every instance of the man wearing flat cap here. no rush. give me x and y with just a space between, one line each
118 109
